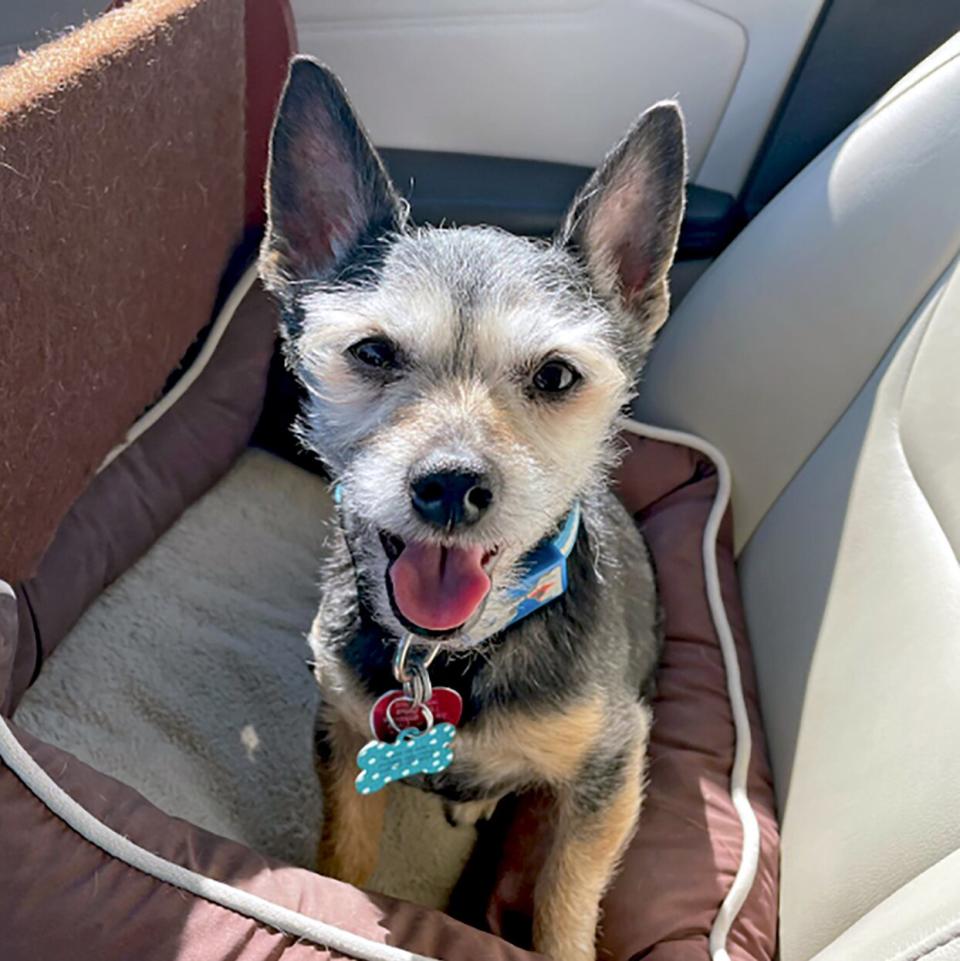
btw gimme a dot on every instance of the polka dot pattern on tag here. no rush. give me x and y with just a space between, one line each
413 752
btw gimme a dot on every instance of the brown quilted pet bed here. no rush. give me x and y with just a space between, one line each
124 194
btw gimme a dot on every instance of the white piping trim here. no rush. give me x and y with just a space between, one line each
750 849
36 780
217 330
18 759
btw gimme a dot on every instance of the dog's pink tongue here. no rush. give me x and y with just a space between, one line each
439 588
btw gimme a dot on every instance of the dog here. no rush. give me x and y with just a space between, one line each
462 389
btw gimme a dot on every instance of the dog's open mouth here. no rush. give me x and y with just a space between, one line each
435 588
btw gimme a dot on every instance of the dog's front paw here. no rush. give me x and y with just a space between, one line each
564 947
467 813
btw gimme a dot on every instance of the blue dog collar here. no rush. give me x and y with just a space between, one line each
544 569
544 576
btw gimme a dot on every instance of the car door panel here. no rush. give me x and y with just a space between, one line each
555 80
560 80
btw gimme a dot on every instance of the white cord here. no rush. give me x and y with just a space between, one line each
250 905
318 932
750 850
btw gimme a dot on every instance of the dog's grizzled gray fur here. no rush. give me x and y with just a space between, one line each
463 391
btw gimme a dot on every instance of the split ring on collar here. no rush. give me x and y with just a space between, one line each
427 717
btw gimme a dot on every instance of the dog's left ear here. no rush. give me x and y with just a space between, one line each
626 220
327 188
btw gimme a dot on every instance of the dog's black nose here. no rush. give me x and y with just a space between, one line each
451 498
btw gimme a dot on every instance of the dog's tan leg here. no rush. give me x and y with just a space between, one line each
352 823
590 837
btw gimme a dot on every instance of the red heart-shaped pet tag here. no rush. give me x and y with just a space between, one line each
445 704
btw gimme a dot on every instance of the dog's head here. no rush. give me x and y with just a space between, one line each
463 383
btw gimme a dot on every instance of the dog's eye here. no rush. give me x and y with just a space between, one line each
376 352
555 377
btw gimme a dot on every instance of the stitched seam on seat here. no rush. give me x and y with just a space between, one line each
865 118
920 947
899 435
817 161
884 361
941 944
910 953
953 932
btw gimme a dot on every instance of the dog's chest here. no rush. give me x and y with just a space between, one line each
507 737
509 749
517 747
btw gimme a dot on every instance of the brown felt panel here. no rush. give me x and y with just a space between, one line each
271 40
8 639
121 198
146 488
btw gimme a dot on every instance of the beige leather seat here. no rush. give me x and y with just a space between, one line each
821 353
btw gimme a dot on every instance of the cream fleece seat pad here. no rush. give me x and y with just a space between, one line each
188 679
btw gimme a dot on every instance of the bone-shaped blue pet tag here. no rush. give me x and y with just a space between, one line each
413 752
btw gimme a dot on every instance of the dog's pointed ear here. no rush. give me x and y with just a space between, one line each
626 220
327 189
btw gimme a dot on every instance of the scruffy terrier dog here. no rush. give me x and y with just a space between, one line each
463 391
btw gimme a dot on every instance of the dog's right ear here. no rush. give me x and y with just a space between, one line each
327 190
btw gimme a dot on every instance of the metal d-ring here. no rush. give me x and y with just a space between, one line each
400 671
427 716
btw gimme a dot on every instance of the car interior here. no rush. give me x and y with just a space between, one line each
813 341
